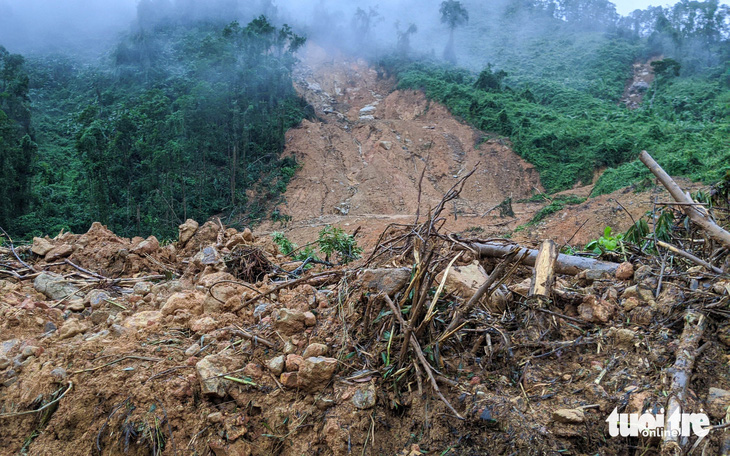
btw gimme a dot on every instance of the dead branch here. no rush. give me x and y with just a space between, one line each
288 284
12 249
542 280
688 207
419 353
690 257
694 328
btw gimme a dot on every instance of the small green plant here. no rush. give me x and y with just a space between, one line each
606 243
637 232
285 245
335 240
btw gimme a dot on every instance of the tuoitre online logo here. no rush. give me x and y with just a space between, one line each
651 425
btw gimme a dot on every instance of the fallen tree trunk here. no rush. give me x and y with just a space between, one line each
565 264
713 230
542 280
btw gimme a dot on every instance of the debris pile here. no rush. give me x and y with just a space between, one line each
432 344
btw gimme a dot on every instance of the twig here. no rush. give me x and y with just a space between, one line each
10 415
286 285
690 257
12 249
419 353
141 358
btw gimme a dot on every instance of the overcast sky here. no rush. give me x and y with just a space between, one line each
624 7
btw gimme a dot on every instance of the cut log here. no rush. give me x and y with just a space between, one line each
544 276
565 264
712 229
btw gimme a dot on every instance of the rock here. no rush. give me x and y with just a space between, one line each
147 247
237 448
365 397
386 280
206 257
204 325
630 304
591 275
235 240
192 350
718 401
54 286
99 316
49 327
309 319
643 315
293 362
569 416
71 328
260 310
142 320
30 350
41 246
369 109
289 322
188 301
7 346
209 369
289 379
670 296
387 145
4 362
721 288
142 288
97 298
644 274
59 374
253 370
248 235
187 230
215 417
315 350
316 372
521 288
464 281
77 305
596 310
623 337
276 364
625 271
62 251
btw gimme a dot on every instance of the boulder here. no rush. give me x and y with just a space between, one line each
62 251
41 246
386 280
147 247
187 230
54 286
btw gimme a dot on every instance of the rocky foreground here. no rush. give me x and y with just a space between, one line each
219 344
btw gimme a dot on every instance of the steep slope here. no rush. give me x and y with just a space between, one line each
366 154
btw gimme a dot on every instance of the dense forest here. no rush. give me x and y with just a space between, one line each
185 115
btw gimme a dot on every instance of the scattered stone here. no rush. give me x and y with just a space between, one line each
630 304
569 416
209 369
309 319
4 362
30 350
276 364
365 397
215 417
293 362
142 320
289 379
204 325
41 246
625 271
142 288
290 322
188 301
596 310
386 280
7 346
248 235
97 298
316 372
100 316
387 145
718 401
54 286
315 350
623 337
192 350
253 370
62 251
71 328
260 310
323 403
77 305
187 230
206 257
